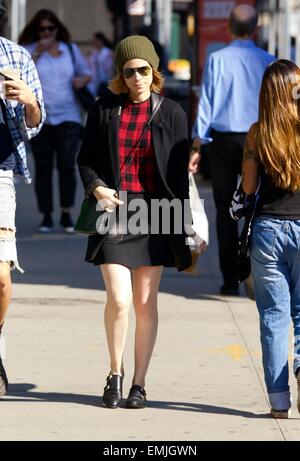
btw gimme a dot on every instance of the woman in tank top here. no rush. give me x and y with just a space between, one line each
272 152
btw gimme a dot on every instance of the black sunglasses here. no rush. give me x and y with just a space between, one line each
47 28
129 72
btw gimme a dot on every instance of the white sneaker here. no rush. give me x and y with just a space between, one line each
67 223
46 225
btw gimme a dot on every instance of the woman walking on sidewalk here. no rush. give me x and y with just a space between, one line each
62 69
132 265
272 151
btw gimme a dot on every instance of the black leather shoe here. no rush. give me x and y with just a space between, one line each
112 396
136 397
3 380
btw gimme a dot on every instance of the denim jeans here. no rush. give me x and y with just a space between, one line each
275 262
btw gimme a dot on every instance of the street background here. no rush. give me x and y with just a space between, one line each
205 379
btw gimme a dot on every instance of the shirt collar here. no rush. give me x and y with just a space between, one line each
243 43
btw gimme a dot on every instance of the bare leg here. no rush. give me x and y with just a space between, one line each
5 290
146 282
117 281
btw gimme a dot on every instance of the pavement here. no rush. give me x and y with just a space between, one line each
205 380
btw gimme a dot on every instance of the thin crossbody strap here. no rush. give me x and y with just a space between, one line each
72 53
128 160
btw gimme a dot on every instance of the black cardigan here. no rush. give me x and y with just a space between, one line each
98 159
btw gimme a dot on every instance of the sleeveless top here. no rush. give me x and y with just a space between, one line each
276 202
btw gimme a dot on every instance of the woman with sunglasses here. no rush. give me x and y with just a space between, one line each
61 68
132 265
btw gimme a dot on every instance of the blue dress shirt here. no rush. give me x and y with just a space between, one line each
230 89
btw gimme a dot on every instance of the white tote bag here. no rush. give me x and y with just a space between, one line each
200 221
199 226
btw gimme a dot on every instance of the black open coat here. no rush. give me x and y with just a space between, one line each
98 159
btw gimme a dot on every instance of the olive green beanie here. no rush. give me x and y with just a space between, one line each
133 47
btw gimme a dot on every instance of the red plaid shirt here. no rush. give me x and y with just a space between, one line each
140 175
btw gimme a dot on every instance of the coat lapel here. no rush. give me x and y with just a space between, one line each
157 133
157 139
113 139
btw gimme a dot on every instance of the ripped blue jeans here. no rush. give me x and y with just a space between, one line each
275 264
8 249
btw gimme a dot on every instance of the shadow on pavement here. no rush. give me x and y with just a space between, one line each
23 393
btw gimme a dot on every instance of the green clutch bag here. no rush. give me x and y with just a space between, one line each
87 220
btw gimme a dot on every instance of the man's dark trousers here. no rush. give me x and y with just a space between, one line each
226 157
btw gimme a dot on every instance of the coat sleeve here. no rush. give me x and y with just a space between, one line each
87 155
202 126
180 160
180 155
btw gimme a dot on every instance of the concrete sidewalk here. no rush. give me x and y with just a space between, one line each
205 380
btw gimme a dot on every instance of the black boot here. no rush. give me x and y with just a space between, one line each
112 396
136 397
3 377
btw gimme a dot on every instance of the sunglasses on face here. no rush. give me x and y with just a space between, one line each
47 28
129 72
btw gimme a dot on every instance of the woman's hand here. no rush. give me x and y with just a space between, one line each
203 247
195 156
194 162
107 198
44 45
199 243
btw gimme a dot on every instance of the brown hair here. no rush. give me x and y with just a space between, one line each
30 34
277 132
118 85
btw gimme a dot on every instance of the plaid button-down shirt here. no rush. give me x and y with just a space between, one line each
141 174
13 56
